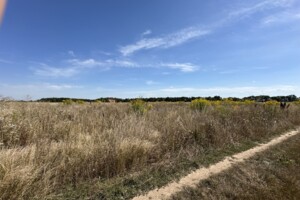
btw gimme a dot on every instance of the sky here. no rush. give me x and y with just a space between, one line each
149 48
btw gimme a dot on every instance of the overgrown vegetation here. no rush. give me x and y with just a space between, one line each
274 174
200 104
139 106
260 98
48 150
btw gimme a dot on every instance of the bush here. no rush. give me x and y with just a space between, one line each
199 104
98 101
80 102
297 103
271 103
230 102
140 106
68 101
249 102
216 103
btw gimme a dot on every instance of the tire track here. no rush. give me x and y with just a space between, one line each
192 179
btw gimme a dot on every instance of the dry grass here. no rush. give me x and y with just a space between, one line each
45 147
271 175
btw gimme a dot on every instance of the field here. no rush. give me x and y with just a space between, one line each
271 175
119 150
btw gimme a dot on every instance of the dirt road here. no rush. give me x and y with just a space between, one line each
195 177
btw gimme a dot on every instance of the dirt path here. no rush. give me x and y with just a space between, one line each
192 179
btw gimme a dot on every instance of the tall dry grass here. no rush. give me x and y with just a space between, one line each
47 146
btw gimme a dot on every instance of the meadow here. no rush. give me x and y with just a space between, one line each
55 150
274 174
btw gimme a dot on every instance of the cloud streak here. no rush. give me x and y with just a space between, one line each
167 41
92 63
184 67
38 90
76 66
147 32
261 6
55 72
221 91
151 82
282 17
187 34
5 61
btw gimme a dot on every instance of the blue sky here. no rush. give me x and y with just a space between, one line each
143 48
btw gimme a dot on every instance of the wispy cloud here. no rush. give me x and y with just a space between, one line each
151 82
241 70
221 91
37 90
261 6
71 53
187 34
60 86
48 71
86 63
120 63
184 67
167 41
105 53
147 32
91 63
282 17
236 91
5 61
76 66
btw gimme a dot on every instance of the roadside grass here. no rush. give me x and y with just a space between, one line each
108 150
152 177
274 174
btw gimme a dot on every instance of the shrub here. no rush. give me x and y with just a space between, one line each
98 101
80 102
297 102
271 103
199 104
68 101
140 106
230 101
216 103
249 102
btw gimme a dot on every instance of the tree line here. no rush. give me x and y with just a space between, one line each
260 98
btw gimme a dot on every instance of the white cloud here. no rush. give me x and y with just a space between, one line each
167 41
213 91
120 63
184 67
91 63
71 53
282 17
105 53
261 6
37 90
60 86
147 32
5 61
151 82
88 63
240 69
187 34
77 66
233 91
55 71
